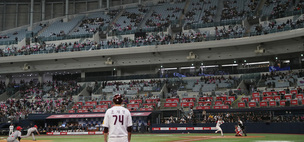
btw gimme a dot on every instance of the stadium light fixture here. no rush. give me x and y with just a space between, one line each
258 63
166 69
234 61
276 58
230 65
301 55
183 68
211 66
245 61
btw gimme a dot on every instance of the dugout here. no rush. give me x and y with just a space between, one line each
87 120
264 125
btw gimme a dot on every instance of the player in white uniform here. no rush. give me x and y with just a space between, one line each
218 124
15 136
117 122
11 129
31 131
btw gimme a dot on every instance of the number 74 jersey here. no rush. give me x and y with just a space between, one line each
117 119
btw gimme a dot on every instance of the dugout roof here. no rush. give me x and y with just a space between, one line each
64 116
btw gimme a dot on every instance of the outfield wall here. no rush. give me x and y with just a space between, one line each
288 128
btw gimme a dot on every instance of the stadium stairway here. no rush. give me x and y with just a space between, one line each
297 17
260 7
43 29
147 16
234 104
16 95
248 28
77 26
115 20
4 96
162 102
219 8
184 11
81 40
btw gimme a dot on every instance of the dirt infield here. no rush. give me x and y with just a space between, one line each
198 138
30 141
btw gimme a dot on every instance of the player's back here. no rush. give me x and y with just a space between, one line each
15 135
219 123
117 119
32 129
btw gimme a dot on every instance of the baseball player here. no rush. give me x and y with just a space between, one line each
117 122
218 124
31 131
15 136
238 131
11 129
241 124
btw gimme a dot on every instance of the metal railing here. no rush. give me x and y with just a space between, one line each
147 30
214 24
65 37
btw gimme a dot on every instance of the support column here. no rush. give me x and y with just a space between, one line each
67 9
17 8
158 71
4 16
32 16
139 2
40 77
87 6
52 11
100 4
300 61
74 7
43 10
108 4
8 79
179 69
82 75
118 72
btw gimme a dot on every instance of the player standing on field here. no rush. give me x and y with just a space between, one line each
117 122
15 136
11 129
31 131
241 124
218 124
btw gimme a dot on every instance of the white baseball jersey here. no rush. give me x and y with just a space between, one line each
239 129
14 136
117 119
11 127
31 130
219 123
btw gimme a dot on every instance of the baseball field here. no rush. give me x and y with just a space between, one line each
174 138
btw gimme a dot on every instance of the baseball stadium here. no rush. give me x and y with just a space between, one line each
151 70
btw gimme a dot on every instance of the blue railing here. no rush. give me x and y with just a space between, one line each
8 42
65 37
214 24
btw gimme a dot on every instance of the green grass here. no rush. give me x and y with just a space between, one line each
175 137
